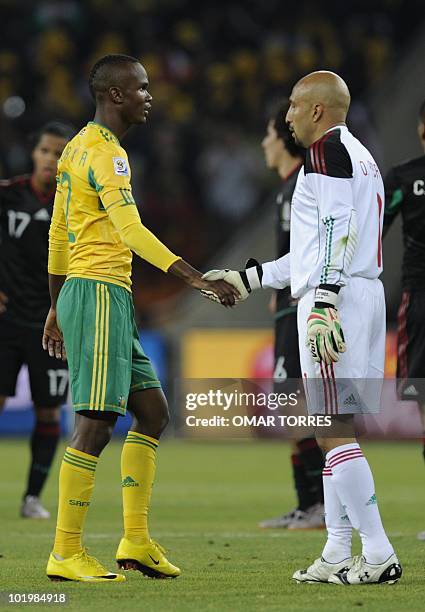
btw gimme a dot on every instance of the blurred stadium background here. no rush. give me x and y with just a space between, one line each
198 171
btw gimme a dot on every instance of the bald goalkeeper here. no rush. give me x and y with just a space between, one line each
333 268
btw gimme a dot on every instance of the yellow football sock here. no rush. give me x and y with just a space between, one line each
76 483
137 472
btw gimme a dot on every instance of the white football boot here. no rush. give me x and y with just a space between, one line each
362 572
321 570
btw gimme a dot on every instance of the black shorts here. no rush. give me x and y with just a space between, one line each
48 376
287 368
411 346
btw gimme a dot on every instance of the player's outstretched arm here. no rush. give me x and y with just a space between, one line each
243 281
270 275
144 243
225 292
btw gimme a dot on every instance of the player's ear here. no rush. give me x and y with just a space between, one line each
317 112
116 95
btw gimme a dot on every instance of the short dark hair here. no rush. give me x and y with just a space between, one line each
278 115
422 112
102 73
55 128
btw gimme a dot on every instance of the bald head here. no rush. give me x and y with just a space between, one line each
326 88
319 101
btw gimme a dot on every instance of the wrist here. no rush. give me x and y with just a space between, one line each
252 275
326 296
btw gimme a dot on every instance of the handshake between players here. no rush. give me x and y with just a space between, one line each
325 337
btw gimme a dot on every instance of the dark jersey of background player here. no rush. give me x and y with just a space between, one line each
405 194
285 304
283 155
25 213
26 204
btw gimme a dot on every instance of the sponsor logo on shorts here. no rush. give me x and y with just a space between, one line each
411 390
350 400
129 482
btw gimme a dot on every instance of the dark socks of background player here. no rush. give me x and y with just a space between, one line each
307 467
44 441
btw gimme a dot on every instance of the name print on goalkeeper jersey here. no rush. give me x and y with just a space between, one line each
336 208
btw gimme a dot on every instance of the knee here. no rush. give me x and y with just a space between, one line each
164 416
92 435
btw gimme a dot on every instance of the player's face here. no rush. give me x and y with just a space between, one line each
300 118
45 157
272 146
137 99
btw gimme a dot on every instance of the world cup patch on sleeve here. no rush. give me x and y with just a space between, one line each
120 166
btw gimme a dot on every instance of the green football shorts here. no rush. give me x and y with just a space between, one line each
106 361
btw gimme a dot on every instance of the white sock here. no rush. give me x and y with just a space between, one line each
353 482
338 544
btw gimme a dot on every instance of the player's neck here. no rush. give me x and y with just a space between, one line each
287 165
326 127
111 121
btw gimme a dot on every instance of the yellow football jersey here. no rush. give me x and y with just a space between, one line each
95 222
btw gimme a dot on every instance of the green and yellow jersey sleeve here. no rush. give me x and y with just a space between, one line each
58 237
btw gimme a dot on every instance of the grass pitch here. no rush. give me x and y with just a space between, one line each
207 501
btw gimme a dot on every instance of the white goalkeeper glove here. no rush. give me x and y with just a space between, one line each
325 337
245 281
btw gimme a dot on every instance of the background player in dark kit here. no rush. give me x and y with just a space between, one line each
405 194
26 204
284 156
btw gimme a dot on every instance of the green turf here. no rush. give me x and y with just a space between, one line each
207 501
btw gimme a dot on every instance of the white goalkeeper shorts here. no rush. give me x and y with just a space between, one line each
353 385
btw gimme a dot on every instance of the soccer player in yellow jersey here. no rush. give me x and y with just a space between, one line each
94 229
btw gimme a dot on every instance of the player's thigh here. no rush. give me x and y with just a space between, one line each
143 375
48 375
12 356
95 319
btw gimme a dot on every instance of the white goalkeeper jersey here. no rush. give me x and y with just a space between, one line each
336 217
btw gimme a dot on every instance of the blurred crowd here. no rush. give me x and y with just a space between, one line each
214 68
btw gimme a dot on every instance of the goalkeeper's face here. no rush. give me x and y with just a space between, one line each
136 99
300 118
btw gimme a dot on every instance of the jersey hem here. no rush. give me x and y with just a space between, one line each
101 279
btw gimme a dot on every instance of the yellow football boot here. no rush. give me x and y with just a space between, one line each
81 567
146 558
